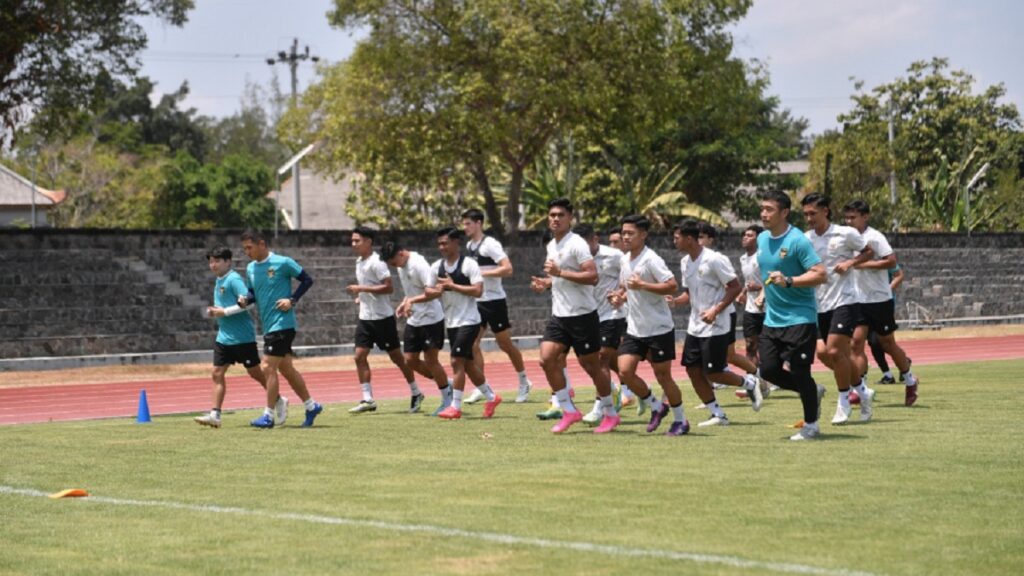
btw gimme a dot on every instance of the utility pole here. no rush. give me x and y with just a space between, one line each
892 161
292 59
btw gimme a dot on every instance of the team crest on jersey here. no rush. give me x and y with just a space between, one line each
271 272
221 290
783 252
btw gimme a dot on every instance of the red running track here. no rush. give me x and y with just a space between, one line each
88 401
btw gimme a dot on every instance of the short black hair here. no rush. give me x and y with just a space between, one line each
616 230
757 228
638 220
584 230
389 250
859 205
254 236
688 227
220 252
365 232
451 232
563 203
818 200
474 214
708 230
779 197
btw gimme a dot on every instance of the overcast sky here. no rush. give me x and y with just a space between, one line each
812 47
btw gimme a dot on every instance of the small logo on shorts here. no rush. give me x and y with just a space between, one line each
710 365
586 346
660 352
803 356
458 349
840 325
270 348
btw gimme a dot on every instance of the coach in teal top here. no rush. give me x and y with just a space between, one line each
790 269
236 328
270 287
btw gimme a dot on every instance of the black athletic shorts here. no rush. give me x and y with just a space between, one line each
842 321
581 333
710 353
462 339
793 344
880 317
278 343
383 333
660 348
227 354
611 332
732 327
494 314
422 338
753 323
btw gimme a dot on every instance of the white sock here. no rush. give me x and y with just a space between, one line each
844 399
715 409
749 382
607 406
564 401
652 402
269 412
887 374
626 392
309 404
565 373
446 394
215 413
677 413
861 389
451 382
523 378
457 399
554 401
909 379
597 404
367 391
414 388
485 389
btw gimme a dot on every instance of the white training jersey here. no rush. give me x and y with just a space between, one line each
648 314
874 284
751 273
372 271
705 279
488 253
609 262
459 309
570 298
415 276
837 244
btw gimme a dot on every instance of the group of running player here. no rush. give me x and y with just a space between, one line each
818 293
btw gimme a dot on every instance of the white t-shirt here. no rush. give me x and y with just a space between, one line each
648 314
415 276
459 309
706 279
570 298
492 249
874 284
751 273
372 271
837 244
609 262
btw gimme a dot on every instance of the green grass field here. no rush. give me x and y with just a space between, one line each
938 488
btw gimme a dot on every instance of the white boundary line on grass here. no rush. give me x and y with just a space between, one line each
498 538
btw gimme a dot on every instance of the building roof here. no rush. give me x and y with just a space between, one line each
323 200
16 190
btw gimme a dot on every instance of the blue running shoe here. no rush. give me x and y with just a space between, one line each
312 414
264 421
441 408
656 417
678 428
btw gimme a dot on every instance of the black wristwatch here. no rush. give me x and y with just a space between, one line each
789 281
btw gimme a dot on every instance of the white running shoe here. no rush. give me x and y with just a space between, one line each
715 421
363 406
866 402
280 411
524 391
842 414
766 388
719 386
475 396
208 420
808 432
594 417
756 394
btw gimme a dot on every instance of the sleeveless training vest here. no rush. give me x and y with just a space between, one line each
474 253
458 276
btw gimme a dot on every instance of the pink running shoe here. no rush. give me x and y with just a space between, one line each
568 419
450 413
608 423
490 406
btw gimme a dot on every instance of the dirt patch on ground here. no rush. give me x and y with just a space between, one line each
107 374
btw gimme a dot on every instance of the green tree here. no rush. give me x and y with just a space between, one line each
230 194
942 128
484 86
55 55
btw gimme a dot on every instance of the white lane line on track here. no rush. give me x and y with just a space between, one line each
498 538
